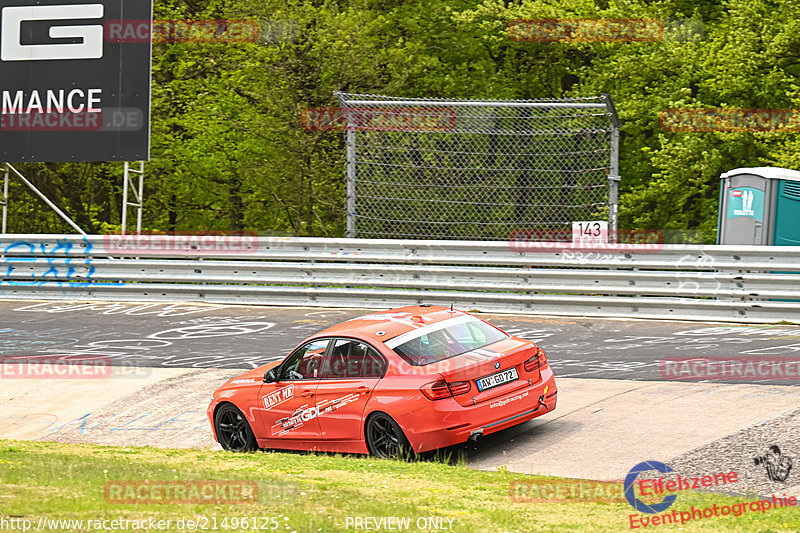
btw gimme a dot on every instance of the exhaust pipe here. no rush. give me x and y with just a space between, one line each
541 401
476 435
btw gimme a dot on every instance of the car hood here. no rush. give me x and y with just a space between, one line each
255 375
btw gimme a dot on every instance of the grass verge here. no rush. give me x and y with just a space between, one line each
308 493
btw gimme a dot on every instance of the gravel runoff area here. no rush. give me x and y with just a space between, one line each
738 452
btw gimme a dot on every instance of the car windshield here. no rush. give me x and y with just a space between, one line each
447 342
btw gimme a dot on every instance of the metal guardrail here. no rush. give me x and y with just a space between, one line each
753 284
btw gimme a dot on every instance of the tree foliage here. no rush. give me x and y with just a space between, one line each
229 151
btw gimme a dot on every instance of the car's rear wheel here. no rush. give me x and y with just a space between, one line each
385 438
233 431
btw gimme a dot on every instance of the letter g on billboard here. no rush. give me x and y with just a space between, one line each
11 48
635 502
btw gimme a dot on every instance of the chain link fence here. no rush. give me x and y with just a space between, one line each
482 170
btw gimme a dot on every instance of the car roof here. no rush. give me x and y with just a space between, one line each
392 323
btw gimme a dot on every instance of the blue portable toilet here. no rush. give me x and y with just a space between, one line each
759 205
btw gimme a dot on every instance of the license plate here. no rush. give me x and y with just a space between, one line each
497 379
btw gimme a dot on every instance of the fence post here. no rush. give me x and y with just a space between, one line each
613 185
613 171
351 182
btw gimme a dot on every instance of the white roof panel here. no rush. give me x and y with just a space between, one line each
772 173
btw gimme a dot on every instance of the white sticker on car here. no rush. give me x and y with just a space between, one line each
278 396
406 319
242 380
305 413
430 328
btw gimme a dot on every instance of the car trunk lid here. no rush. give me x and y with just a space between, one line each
497 362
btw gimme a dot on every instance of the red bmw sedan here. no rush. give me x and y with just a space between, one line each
415 379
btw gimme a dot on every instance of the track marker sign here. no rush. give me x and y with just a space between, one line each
590 233
66 92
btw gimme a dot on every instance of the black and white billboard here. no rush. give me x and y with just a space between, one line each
71 90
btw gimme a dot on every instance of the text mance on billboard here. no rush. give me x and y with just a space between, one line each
68 93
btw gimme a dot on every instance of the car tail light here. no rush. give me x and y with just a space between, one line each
460 387
438 390
537 361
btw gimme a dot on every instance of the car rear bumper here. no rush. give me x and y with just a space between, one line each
444 423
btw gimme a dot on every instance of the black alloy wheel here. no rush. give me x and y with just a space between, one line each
233 431
385 438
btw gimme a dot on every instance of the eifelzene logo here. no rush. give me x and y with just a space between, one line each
91 35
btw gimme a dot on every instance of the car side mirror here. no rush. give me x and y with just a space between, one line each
270 376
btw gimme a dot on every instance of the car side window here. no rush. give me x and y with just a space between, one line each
305 362
353 359
374 365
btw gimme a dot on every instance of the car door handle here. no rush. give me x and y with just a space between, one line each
363 390
306 393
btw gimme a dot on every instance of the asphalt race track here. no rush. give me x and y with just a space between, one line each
188 335
614 402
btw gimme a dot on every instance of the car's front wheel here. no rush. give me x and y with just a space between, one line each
385 438
233 431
